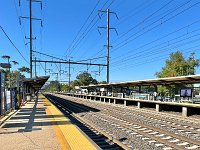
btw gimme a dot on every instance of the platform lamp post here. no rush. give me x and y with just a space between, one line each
15 63
9 62
8 59
3 102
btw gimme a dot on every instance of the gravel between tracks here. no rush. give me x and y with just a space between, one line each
134 141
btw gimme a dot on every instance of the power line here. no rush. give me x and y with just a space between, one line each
160 38
130 39
89 59
167 42
71 48
153 52
127 16
83 37
21 26
139 9
88 28
156 52
143 21
84 23
42 66
162 21
13 44
119 23
69 62
155 59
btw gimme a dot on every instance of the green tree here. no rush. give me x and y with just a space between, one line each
192 63
24 69
53 86
75 83
177 65
102 82
14 76
85 79
64 87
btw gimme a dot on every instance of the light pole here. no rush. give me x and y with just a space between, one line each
15 63
9 62
9 66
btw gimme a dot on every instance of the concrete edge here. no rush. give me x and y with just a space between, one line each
7 117
86 136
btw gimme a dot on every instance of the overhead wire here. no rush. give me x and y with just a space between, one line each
84 24
134 12
141 22
158 39
148 25
155 59
13 44
89 59
175 15
142 53
130 39
21 26
90 28
127 16
82 36
156 52
95 22
171 17
149 51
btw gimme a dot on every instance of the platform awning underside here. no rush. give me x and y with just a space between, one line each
35 83
192 79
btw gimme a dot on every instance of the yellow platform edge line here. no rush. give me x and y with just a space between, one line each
61 138
69 136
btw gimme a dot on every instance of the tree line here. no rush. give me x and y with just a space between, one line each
83 79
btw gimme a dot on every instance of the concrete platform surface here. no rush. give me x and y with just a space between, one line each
39 125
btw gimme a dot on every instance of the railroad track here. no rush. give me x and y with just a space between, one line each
182 135
178 124
102 139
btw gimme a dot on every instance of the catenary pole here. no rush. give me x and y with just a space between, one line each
30 5
108 44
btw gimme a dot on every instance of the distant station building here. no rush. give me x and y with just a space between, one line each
144 93
148 89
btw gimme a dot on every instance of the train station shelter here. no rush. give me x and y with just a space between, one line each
31 86
182 96
180 80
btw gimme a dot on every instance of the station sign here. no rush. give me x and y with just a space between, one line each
5 65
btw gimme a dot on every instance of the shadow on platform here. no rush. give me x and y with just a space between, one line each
31 119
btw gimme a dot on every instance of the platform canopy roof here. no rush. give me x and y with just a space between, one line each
191 79
36 83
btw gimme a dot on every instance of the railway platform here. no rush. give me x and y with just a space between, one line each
40 125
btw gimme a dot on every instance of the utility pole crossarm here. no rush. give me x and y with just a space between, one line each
29 18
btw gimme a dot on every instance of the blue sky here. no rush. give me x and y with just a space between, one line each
148 31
